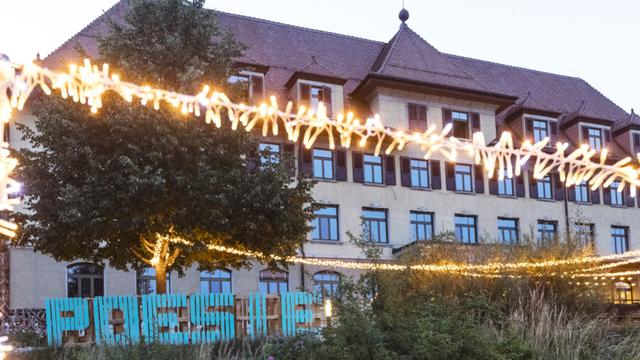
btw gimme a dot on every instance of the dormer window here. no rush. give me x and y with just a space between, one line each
253 85
460 122
312 95
417 117
540 130
594 136
636 143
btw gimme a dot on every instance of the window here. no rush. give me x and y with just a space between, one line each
319 94
85 280
372 169
540 130
460 122
582 192
254 85
374 225
216 282
421 225
508 230
546 231
585 234
146 281
505 185
269 153
326 282
325 225
465 229
273 282
622 293
620 239
323 164
595 138
544 188
419 174
417 117
617 198
463 178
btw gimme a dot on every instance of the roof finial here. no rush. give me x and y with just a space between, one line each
404 14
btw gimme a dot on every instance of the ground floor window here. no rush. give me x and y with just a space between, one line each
622 293
620 239
215 282
546 231
421 225
146 281
85 280
508 230
273 282
466 229
326 282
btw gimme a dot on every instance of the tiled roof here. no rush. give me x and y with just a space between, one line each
287 49
632 119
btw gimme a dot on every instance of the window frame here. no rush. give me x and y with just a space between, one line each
547 180
598 139
511 230
426 225
367 163
247 77
502 185
463 175
79 276
458 120
143 277
216 278
420 171
323 161
273 156
470 229
582 189
624 237
591 233
541 238
318 217
320 285
539 130
619 196
367 223
273 279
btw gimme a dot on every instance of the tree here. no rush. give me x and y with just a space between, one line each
134 186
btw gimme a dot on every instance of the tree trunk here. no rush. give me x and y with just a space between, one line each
161 279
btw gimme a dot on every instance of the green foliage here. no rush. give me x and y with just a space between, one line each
96 185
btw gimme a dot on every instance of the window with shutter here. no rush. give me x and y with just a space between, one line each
434 167
358 170
417 115
390 170
305 94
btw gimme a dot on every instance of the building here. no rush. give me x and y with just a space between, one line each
399 198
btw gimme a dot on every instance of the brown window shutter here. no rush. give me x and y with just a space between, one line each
559 187
306 161
446 117
595 196
607 137
606 192
305 94
434 170
412 110
631 201
327 98
289 157
533 186
475 122
553 130
389 163
358 170
257 89
341 165
529 128
520 185
478 173
450 173
493 185
571 193
6 136
585 135
405 171
636 143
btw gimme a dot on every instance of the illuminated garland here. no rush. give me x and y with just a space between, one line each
4 348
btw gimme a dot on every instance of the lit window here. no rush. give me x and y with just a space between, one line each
216 282
595 138
252 84
326 282
463 175
465 229
582 192
544 188
146 281
419 174
460 122
508 230
85 280
505 186
372 169
325 224
546 231
269 153
620 239
273 282
585 234
323 164
421 225
540 130
374 225
318 94
623 293
617 198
